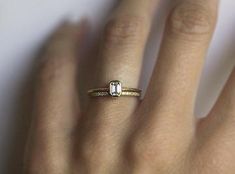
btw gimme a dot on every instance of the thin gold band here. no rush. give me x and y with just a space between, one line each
124 89
115 90
105 92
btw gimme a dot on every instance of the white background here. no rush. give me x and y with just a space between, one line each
25 24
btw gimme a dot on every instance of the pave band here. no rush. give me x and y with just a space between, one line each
115 89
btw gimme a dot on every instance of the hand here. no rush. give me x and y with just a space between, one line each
158 134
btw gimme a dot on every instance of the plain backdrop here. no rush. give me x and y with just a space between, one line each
24 26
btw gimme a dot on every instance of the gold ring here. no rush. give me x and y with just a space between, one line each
115 89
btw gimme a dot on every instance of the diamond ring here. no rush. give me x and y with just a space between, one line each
115 89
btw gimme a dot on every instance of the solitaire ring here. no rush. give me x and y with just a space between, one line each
114 89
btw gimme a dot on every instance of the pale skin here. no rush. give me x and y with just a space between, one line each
156 135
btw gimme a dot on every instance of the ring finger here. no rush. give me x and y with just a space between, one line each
121 56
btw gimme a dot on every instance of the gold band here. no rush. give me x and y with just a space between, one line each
115 90
104 92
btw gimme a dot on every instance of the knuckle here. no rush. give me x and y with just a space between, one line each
59 46
87 151
124 29
49 70
156 151
90 152
140 151
56 60
64 33
38 162
92 147
191 19
143 150
54 67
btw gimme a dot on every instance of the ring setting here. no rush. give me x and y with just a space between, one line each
115 89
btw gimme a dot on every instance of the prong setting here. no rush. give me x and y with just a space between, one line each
115 88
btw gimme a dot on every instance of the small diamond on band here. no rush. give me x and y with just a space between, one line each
115 89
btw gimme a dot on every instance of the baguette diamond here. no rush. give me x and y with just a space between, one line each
115 88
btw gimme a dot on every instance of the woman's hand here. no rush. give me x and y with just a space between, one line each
158 134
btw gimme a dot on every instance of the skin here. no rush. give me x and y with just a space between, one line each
158 134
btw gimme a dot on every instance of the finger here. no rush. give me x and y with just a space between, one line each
55 107
124 41
175 78
219 125
122 51
215 133
121 57
169 101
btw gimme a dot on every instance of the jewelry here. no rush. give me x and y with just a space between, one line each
115 89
